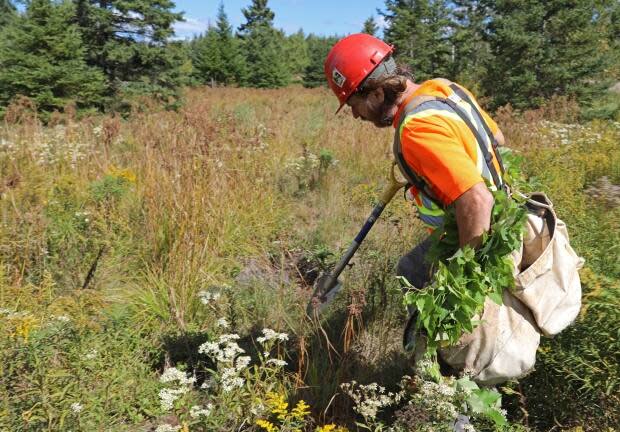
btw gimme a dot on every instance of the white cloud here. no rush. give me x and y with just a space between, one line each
190 27
381 22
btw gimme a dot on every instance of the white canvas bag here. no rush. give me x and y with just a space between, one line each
548 283
546 299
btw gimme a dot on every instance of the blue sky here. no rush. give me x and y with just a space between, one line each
323 17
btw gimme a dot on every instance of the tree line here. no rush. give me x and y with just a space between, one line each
99 54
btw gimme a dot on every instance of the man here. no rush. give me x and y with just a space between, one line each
434 144
445 146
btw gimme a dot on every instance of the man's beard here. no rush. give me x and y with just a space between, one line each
381 115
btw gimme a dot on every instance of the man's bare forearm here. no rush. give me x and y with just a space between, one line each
473 214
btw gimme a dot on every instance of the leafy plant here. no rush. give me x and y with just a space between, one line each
466 277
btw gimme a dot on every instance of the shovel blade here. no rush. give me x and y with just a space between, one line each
326 288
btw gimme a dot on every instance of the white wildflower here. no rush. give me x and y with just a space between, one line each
207 297
167 397
91 354
209 348
197 411
277 362
224 350
63 318
229 337
173 374
77 407
222 323
167 428
370 398
242 362
233 383
269 334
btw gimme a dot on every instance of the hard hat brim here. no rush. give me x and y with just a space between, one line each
340 107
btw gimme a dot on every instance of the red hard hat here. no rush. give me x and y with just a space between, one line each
351 60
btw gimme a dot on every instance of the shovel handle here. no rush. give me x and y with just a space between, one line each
393 187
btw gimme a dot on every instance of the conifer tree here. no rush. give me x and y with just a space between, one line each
216 55
470 48
7 12
370 26
419 29
318 48
262 45
207 59
127 40
257 15
230 48
296 51
542 48
43 57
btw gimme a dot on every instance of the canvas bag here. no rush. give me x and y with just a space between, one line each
548 282
546 297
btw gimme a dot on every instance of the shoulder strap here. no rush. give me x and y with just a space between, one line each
463 95
411 177
481 143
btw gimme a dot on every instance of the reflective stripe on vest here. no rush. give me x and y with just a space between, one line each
429 210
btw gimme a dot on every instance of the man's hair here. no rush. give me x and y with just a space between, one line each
393 84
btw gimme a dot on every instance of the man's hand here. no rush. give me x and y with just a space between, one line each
473 214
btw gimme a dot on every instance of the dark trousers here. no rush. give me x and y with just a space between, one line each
417 271
413 265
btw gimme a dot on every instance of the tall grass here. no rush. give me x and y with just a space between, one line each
120 224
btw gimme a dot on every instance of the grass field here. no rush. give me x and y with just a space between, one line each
155 271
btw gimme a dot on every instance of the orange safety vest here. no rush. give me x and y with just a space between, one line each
430 208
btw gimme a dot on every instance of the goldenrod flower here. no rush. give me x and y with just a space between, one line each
277 405
301 410
331 428
24 326
125 174
267 425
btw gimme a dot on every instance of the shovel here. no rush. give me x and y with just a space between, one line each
327 285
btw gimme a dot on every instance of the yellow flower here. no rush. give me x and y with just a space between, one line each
277 405
301 410
24 326
126 174
331 428
267 425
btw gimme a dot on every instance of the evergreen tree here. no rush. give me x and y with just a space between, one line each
470 49
230 49
318 48
296 51
7 12
370 26
542 48
216 55
127 40
207 61
262 45
419 29
257 15
612 14
43 57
